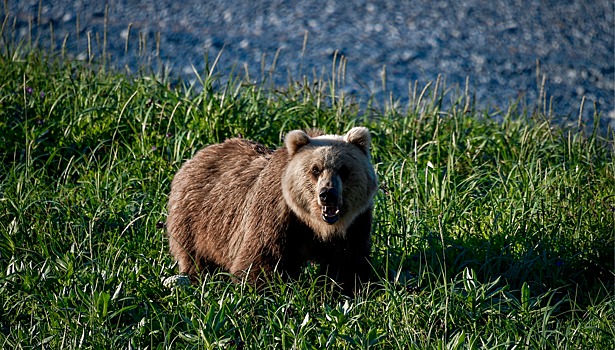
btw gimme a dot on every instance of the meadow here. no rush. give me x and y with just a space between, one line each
493 228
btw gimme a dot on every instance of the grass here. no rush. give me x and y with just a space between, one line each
492 229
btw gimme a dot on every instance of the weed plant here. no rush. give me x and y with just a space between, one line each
492 229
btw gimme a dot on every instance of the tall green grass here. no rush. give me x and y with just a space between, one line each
492 229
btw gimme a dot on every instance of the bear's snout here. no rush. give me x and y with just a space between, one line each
328 196
329 201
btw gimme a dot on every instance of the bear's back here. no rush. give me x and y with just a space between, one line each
234 157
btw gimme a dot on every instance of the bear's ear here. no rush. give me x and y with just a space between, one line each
360 137
295 140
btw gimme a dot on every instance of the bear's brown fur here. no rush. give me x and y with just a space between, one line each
244 208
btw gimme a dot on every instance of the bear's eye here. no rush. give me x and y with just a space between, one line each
315 172
343 173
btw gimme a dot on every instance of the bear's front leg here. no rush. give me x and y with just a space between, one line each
348 265
346 260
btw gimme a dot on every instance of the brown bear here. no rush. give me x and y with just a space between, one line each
245 209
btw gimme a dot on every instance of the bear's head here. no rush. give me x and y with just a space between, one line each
329 179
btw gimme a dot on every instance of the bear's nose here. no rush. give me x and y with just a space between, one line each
328 195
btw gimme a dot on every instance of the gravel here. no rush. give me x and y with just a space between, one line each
498 45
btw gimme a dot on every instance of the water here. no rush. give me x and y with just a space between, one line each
508 50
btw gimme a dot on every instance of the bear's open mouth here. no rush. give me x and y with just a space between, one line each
330 213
